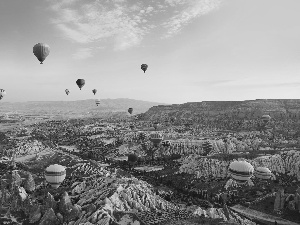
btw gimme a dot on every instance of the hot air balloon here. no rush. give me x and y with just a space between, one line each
94 91
55 175
240 171
41 51
97 102
80 83
67 91
155 125
130 110
263 173
156 138
2 93
266 118
166 143
144 67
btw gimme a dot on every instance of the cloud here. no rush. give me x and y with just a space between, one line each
124 23
193 9
83 53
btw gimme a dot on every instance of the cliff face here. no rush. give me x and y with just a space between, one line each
250 109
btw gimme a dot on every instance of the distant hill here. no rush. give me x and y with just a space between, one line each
72 109
276 108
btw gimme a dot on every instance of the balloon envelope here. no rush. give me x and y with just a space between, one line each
41 51
94 91
2 93
55 175
80 83
97 102
67 91
241 171
130 110
144 67
262 173
266 118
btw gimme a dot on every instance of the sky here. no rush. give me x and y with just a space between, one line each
196 50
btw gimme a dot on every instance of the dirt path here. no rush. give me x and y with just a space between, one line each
269 219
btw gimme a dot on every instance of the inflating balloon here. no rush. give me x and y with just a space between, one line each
41 51
263 173
130 110
94 91
80 83
240 171
67 91
156 138
144 67
2 93
97 102
55 175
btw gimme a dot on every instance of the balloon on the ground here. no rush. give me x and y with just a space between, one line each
97 102
55 175
130 110
94 91
67 91
80 83
266 118
240 171
156 138
263 173
41 51
144 67
2 93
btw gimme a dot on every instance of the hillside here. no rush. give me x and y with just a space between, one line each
250 109
71 109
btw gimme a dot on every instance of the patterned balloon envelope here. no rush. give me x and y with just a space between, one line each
240 171
263 173
156 138
55 175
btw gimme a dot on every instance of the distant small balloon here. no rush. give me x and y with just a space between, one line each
80 83
94 91
67 91
130 110
2 93
41 51
144 67
97 102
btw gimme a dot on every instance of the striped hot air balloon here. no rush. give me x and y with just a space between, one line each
55 175
41 51
156 138
97 102
262 173
266 118
240 171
